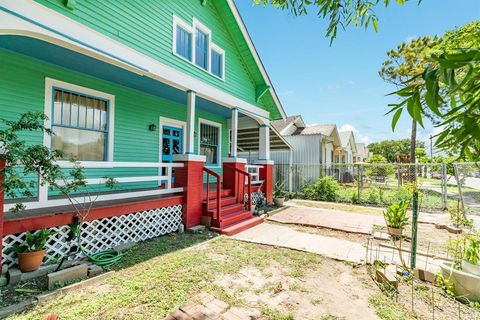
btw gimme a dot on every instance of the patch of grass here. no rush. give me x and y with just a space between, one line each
387 309
328 317
316 302
156 277
273 314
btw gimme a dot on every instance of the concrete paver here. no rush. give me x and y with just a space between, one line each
282 236
326 218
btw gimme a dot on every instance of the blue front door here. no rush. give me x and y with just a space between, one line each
171 143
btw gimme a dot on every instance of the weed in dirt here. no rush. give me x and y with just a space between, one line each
387 309
272 314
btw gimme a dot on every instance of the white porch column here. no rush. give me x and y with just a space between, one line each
233 153
190 134
264 149
290 169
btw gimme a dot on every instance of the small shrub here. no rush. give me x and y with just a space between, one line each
324 189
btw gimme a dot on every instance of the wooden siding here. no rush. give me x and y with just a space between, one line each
22 86
146 26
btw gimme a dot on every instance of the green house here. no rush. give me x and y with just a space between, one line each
153 93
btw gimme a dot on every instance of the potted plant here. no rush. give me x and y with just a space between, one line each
396 217
471 257
279 194
31 253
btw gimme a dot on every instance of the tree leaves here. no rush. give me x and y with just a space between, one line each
338 13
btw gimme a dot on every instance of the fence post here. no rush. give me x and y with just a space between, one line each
2 198
359 182
445 186
459 185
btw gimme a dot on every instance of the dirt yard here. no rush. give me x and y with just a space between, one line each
159 276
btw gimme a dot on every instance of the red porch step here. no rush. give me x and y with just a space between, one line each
213 193
225 201
238 227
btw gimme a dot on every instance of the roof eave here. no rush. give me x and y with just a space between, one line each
253 50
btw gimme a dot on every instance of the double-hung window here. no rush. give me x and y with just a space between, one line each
210 143
217 61
79 125
201 49
183 43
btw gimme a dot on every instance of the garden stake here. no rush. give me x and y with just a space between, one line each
366 252
433 304
426 259
413 260
412 297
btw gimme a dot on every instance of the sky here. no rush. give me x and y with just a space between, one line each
340 83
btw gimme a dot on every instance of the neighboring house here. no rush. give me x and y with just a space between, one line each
311 145
348 152
362 152
151 93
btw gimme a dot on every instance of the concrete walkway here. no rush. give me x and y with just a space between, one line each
285 237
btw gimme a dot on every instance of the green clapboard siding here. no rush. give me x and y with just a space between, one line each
22 87
146 26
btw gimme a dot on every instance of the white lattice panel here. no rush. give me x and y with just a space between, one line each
102 234
257 197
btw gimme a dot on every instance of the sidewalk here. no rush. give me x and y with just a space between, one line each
276 235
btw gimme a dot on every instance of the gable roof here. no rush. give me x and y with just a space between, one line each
256 57
281 125
323 129
345 137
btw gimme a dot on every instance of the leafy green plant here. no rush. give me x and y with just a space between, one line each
34 241
324 189
446 284
279 190
472 250
396 214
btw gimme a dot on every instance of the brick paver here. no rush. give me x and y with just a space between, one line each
331 219
204 306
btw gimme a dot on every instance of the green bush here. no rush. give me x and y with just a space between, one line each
324 189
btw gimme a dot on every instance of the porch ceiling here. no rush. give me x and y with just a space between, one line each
248 140
69 59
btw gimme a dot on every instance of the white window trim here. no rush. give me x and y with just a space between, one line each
171 123
214 47
191 29
179 22
219 149
51 83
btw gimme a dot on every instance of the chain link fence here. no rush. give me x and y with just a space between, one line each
466 183
441 186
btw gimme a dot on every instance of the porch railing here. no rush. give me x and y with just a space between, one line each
241 187
219 183
254 172
156 182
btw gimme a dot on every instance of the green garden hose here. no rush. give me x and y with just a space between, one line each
105 258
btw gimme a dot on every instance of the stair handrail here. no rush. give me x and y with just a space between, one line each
219 183
242 187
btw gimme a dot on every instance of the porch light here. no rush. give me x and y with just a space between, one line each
152 127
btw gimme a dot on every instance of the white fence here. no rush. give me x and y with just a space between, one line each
162 179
